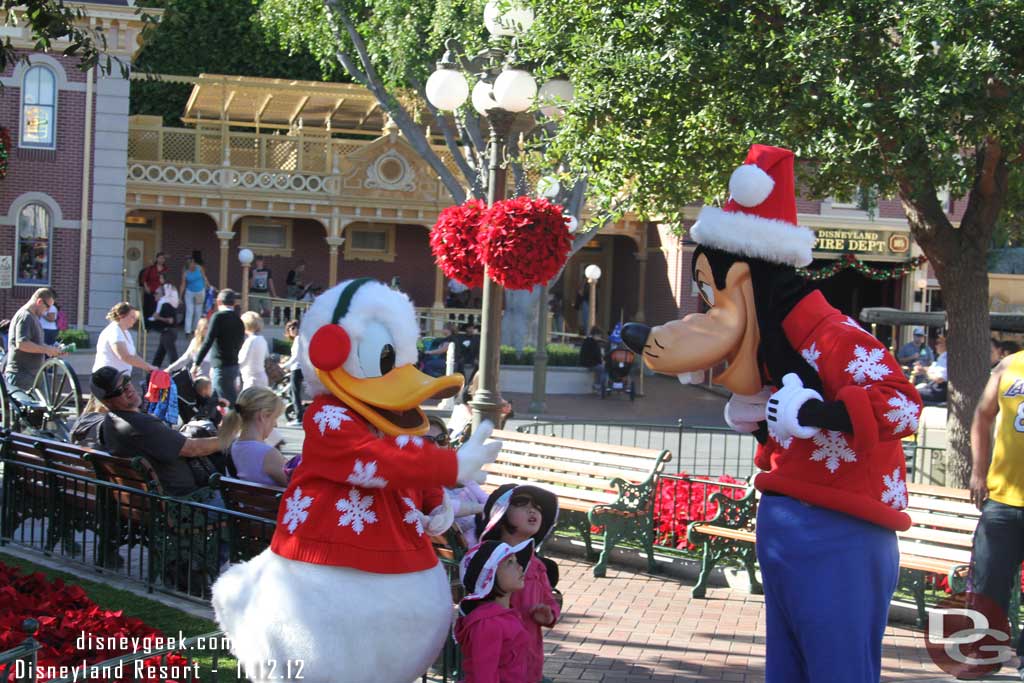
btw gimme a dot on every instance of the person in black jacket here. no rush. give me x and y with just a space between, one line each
592 355
224 338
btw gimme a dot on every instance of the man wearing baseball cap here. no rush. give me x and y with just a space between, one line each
916 351
128 432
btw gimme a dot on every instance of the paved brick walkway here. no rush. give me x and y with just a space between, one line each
632 627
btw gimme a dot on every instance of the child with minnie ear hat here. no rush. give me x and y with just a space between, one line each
490 633
514 514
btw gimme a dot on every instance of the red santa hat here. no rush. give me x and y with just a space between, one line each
759 220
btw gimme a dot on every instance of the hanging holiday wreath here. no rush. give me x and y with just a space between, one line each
455 242
524 242
5 150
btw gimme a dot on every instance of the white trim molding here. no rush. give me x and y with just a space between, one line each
38 198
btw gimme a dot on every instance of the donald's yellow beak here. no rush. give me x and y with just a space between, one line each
391 402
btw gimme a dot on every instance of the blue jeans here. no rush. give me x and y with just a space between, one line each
225 380
998 552
828 581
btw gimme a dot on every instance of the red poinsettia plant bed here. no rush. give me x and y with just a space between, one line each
69 620
678 502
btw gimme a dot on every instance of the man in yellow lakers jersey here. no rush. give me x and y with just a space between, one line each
997 484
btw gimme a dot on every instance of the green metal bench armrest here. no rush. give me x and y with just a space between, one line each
733 513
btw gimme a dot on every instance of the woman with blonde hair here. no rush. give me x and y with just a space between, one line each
189 357
252 357
244 430
116 347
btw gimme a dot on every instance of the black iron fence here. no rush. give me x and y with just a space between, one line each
172 545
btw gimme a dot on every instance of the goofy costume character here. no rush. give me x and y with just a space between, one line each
829 405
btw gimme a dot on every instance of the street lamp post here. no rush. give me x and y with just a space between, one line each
500 93
593 274
245 257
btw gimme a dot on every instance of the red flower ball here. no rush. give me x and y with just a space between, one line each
454 242
524 242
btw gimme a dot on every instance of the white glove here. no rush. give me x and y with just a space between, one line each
784 408
742 413
474 454
440 518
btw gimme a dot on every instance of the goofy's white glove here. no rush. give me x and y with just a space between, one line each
474 454
440 518
742 413
784 407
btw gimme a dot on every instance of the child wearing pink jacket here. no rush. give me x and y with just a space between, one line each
491 635
516 514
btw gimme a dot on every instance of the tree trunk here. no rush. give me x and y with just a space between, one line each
519 324
965 294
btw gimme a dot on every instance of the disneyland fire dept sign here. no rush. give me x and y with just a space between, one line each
877 242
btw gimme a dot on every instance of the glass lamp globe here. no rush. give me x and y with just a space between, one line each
515 90
506 19
483 97
553 94
245 256
447 89
593 272
548 186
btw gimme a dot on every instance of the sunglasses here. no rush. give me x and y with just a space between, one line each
121 389
522 501
439 439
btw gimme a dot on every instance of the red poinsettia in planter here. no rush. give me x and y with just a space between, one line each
73 630
522 241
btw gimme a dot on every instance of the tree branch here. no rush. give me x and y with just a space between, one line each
472 176
412 132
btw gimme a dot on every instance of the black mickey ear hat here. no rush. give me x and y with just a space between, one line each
500 500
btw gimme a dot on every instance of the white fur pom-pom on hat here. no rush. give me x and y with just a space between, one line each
749 185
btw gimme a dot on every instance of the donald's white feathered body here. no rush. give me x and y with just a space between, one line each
350 589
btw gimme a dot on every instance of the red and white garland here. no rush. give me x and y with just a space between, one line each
522 241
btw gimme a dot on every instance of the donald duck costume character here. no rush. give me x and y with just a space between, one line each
351 587
829 405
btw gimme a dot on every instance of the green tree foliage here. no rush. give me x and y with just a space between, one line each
50 21
209 36
906 97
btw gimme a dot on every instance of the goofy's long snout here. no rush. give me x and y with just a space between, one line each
634 336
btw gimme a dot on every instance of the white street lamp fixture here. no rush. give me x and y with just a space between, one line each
447 89
548 187
553 95
483 97
515 90
504 18
245 256
593 272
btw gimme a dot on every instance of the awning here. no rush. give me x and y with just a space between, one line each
999 322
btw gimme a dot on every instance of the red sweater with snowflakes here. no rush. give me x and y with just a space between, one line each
862 474
355 499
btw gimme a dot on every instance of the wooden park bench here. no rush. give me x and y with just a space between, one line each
938 542
596 484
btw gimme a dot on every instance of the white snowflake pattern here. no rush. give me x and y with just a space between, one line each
413 516
867 364
296 509
832 449
782 442
355 511
403 440
850 322
904 414
811 355
365 476
331 417
895 493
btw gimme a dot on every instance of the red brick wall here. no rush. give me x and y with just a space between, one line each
413 264
56 173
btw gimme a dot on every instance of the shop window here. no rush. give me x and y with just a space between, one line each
39 108
370 243
34 245
267 238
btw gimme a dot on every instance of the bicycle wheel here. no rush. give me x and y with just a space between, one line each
57 388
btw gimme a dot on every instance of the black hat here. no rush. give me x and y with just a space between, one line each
479 568
501 498
108 382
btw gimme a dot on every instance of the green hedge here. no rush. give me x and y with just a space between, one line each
78 337
559 356
282 347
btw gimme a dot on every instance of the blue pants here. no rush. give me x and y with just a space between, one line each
224 380
998 552
828 581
